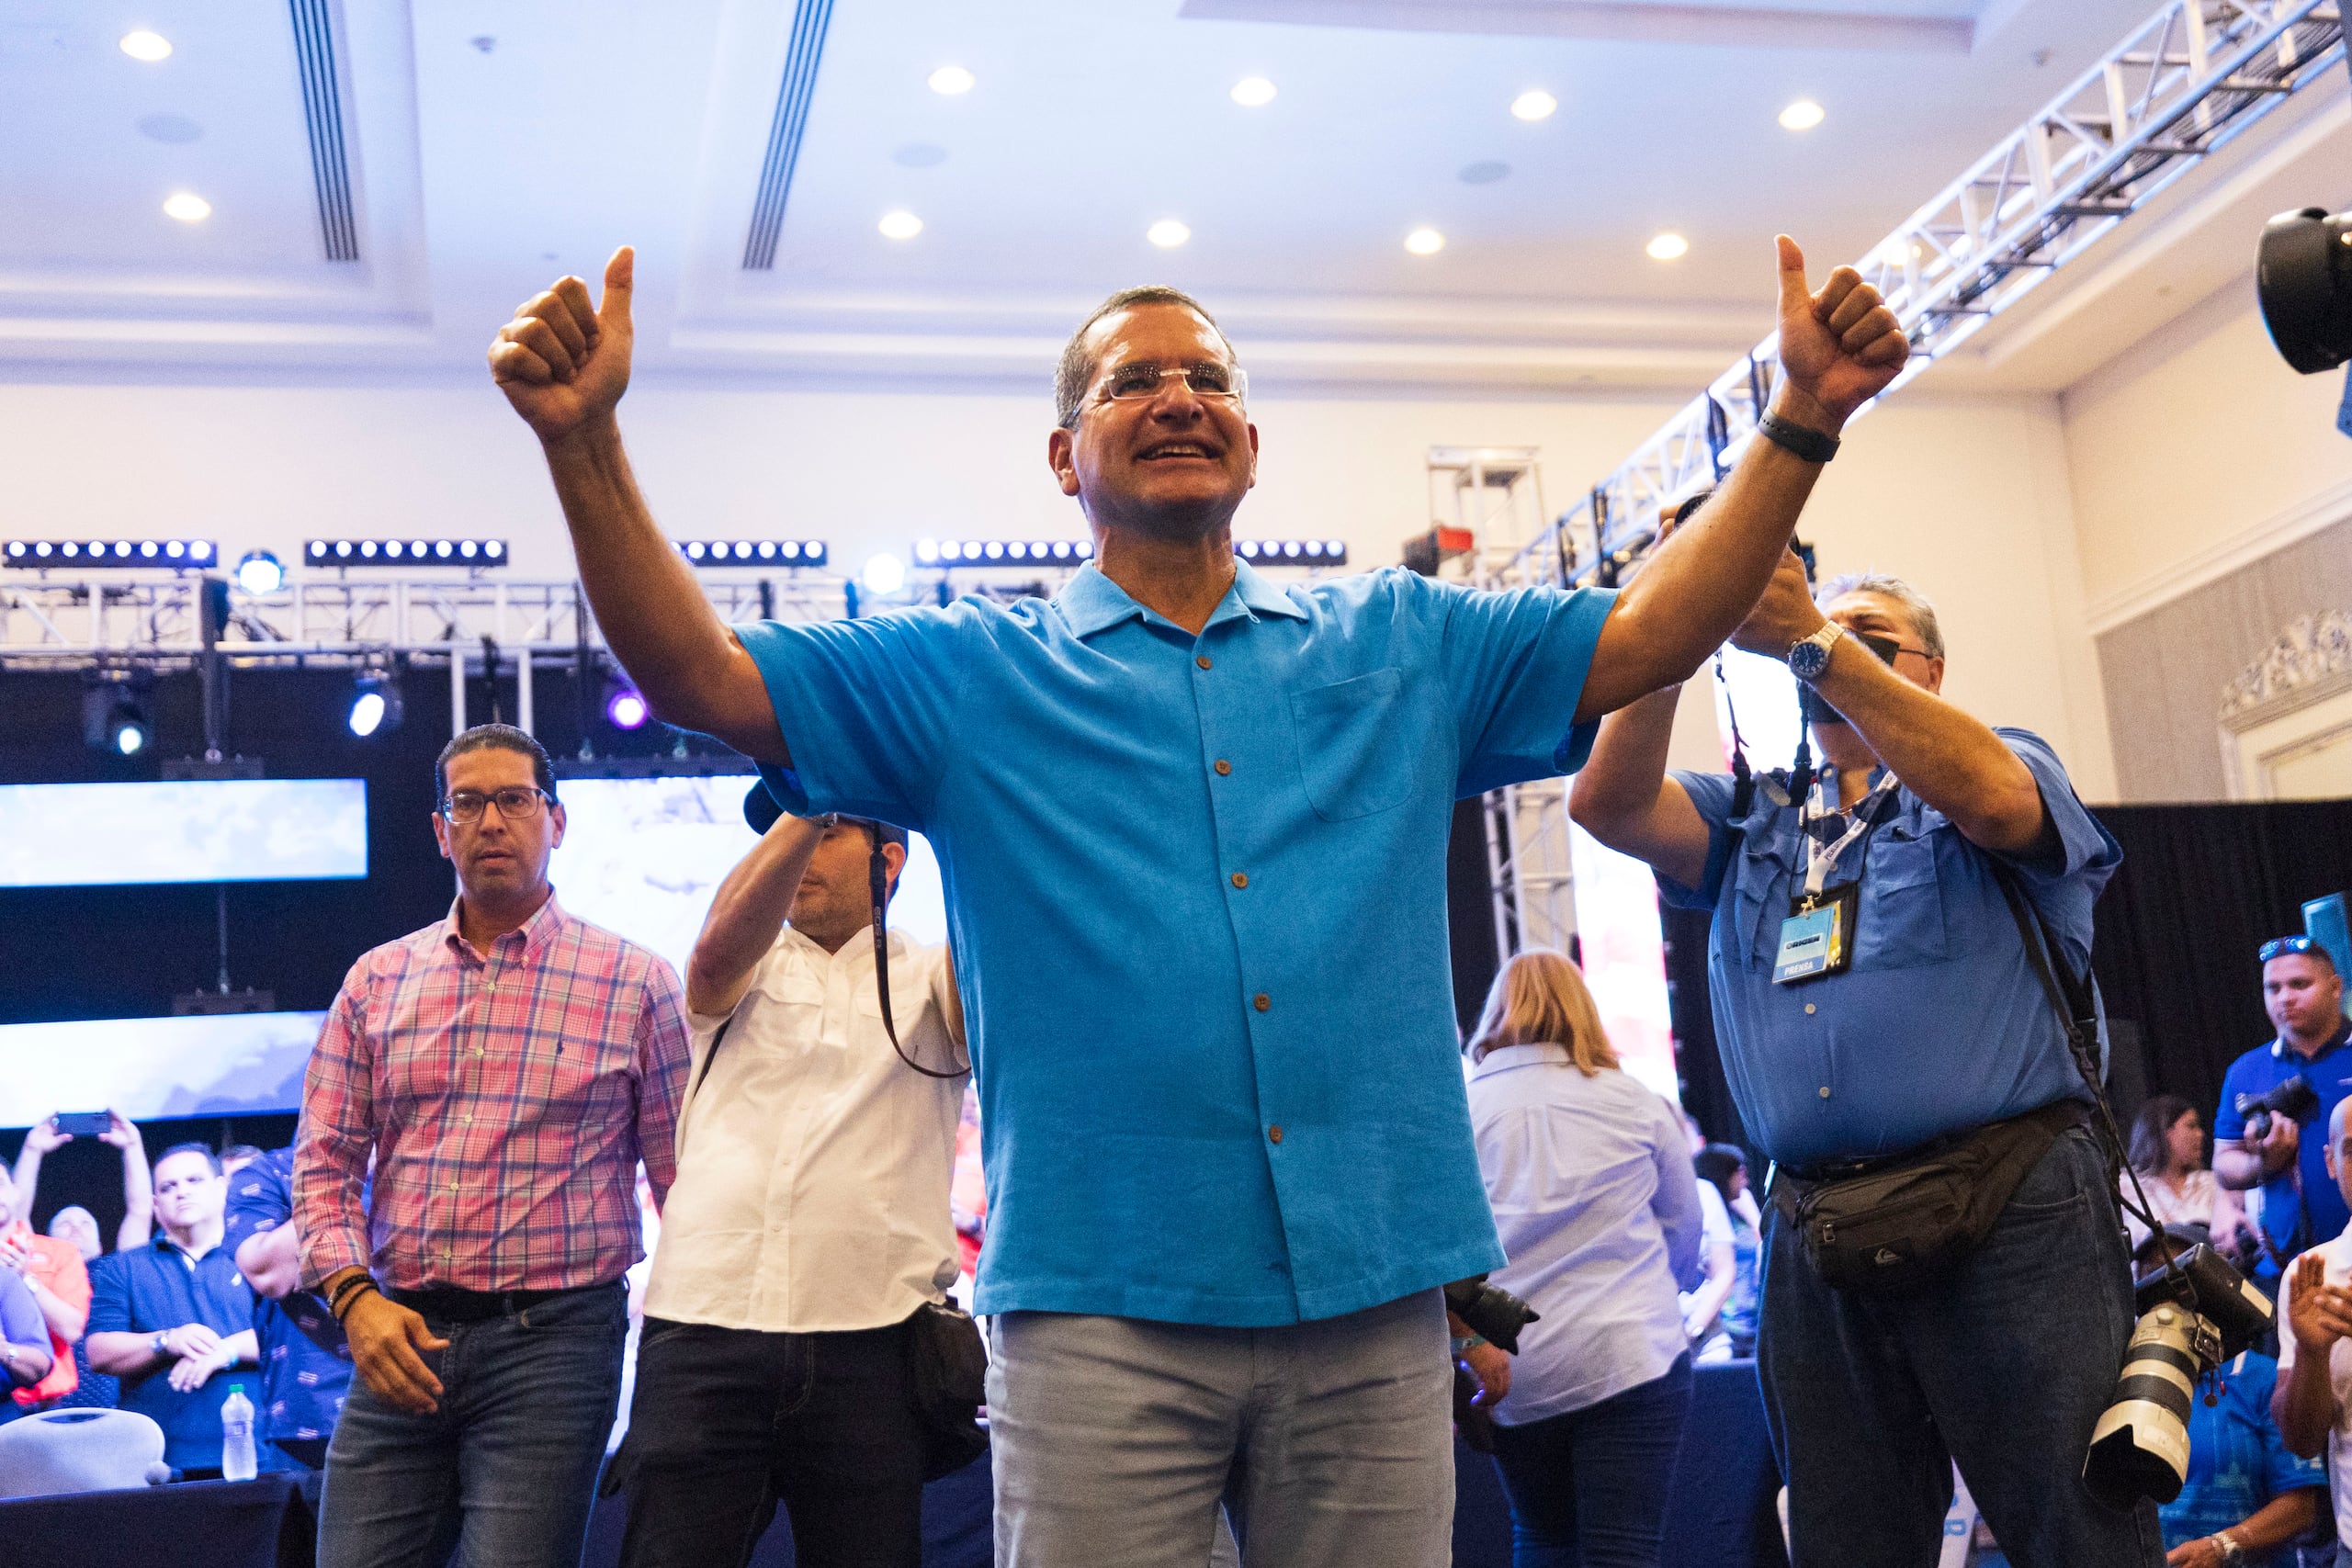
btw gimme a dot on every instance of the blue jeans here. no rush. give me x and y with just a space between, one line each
1588 1488
2002 1366
506 1469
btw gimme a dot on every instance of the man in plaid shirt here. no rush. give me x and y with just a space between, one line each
507 1068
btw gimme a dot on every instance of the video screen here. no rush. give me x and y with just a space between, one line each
231 1065
90 835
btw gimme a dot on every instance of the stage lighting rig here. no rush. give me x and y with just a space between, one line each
1292 552
376 704
473 554
2303 274
46 555
260 573
752 552
1003 552
116 716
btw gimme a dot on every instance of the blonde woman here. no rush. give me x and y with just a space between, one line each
1588 1172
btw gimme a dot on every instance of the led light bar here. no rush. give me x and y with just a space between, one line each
41 555
752 552
1292 552
1003 552
404 552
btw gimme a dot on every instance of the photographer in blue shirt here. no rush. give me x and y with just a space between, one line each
1877 1008
2300 1206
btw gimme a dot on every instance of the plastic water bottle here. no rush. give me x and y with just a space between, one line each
237 1435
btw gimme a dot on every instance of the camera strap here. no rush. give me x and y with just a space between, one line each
877 884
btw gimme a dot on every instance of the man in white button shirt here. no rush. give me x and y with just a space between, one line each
809 1223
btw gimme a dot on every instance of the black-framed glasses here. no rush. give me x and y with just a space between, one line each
2282 946
516 805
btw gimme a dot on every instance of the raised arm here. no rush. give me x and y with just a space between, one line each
1839 349
1622 797
2313 1316
137 1226
746 913
564 363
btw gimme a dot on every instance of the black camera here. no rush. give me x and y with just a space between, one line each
2295 1100
1492 1312
2194 1314
2303 273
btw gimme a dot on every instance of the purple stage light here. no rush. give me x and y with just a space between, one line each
626 709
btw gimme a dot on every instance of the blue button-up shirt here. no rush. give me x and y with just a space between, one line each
156 1288
2301 1205
305 1362
1940 1025
1197 889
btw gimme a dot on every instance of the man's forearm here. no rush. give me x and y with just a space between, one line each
121 1354
2304 1404
2276 1522
2237 1169
272 1261
1621 795
1692 595
27 1177
747 912
65 1320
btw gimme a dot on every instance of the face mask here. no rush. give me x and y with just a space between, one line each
1810 702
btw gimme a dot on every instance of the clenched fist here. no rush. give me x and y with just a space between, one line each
1839 347
562 361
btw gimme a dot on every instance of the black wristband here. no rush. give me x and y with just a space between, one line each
348 1292
1810 444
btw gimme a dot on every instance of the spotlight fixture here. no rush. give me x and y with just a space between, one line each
1535 104
1669 247
1425 241
260 572
115 713
1253 92
187 206
752 552
475 553
1003 552
43 555
1292 552
1168 233
145 45
1803 115
2302 277
952 81
883 573
899 225
376 704
625 705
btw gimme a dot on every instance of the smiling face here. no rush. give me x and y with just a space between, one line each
501 861
1174 465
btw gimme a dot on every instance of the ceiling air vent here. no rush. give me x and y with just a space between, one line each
323 109
809 18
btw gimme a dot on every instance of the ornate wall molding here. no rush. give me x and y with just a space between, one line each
2312 658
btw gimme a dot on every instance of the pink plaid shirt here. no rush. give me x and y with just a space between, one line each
506 1099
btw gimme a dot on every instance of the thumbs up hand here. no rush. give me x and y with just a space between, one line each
1839 348
563 362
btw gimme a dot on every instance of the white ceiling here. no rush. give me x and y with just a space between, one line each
496 143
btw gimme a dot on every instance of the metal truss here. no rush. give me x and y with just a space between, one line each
2184 84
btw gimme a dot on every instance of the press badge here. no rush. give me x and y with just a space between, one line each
1817 938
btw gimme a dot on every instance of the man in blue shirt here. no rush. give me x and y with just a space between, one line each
1193 829
305 1361
2300 1205
167 1316
1933 1026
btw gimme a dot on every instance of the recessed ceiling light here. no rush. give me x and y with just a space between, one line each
187 206
950 79
1425 241
1535 104
1253 92
899 225
144 45
1168 233
1803 115
1668 246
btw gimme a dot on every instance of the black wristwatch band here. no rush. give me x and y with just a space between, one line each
1810 444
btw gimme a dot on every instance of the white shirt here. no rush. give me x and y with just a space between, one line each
2338 1254
1593 1194
813 1164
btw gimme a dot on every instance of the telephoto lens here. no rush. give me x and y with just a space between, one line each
1492 1312
2194 1314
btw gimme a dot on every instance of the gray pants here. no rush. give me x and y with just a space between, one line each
1332 1441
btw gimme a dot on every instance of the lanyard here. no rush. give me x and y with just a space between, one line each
1819 861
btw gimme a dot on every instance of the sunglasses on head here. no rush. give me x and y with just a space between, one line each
2280 946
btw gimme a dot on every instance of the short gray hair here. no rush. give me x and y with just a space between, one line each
1076 371
1914 603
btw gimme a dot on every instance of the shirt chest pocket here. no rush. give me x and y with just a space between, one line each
1759 900
1902 918
1353 759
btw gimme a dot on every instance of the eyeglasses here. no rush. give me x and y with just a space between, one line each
2280 946
1133 383
516 805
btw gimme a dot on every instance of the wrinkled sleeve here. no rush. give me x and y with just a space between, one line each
335 1137
1681 1214
867 708
2229 1121
662 1061
110 1297
1711 797
1514 664
259 1200
2083 846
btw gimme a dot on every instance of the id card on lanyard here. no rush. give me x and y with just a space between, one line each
1817 937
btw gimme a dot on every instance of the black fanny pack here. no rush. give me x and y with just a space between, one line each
949 1366
1895 1227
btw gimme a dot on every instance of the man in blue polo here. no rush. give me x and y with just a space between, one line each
305 1360
170 1317
1193 828
2300 1205
1922 1025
